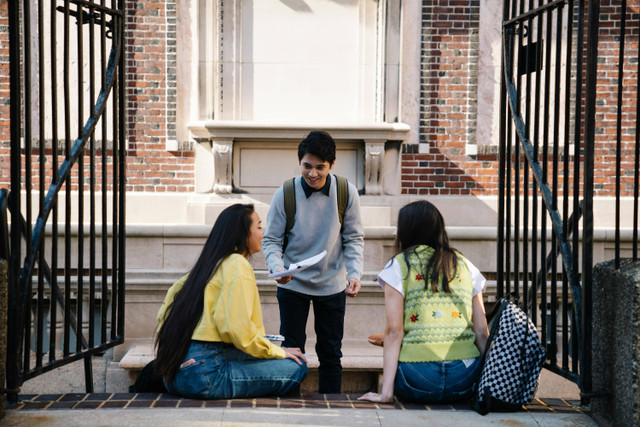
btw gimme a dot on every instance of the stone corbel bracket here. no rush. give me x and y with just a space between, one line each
204 165
374 158
223 158
213 165
215 139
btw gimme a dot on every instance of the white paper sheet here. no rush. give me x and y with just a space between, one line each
299 266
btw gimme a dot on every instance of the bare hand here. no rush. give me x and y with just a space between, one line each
353 288
294 354
376 397
283 280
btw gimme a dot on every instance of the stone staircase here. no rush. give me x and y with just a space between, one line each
361 364
365 315
159 252
165 234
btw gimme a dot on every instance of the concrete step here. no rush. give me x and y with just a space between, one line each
362 372
361 365
365 357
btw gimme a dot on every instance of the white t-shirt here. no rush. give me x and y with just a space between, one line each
392 276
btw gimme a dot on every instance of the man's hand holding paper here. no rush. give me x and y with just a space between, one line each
284 276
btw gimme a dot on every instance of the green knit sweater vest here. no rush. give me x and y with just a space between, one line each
437 325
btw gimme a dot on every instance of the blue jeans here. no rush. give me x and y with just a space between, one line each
213 370
436 382
328 312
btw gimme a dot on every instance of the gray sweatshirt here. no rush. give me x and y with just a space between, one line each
316 228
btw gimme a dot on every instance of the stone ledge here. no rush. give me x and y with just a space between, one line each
137 357
354 357
253 130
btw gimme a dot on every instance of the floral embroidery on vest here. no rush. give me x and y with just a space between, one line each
437 325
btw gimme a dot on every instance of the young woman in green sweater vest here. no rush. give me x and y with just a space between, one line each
436 327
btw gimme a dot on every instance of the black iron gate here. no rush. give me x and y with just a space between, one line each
547 148
66 196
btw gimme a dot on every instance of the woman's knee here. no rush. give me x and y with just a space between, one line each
297 372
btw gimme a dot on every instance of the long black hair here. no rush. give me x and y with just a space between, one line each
421 223
228 236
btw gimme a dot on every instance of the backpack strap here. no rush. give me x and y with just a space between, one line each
289 209
493 322
343 196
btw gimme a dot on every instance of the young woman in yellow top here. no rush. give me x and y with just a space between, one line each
211 340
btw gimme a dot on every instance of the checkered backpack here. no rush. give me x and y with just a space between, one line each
511 369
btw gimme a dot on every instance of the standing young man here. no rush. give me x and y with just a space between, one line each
317 227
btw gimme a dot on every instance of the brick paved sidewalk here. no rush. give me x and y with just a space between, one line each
132 401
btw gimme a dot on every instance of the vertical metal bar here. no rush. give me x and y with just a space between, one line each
28 150
115 301
623 21
104 185
556 146
535 207
545 167
565 320
41 188
587 218
566 191
508 189
516 172
526 178
502 165
576 171
88 372
4 302
636 166
80 178
122 178
508 211
67 225
15 319
92 187
54 181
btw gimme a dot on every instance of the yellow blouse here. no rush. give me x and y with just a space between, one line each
232 311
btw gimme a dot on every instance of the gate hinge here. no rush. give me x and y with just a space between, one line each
596 394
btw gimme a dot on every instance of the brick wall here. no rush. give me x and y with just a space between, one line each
439 164
151 82
607 104
150 108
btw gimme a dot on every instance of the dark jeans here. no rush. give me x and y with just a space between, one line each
436 382
215 370
329 327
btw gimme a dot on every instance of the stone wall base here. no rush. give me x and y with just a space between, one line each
616 344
